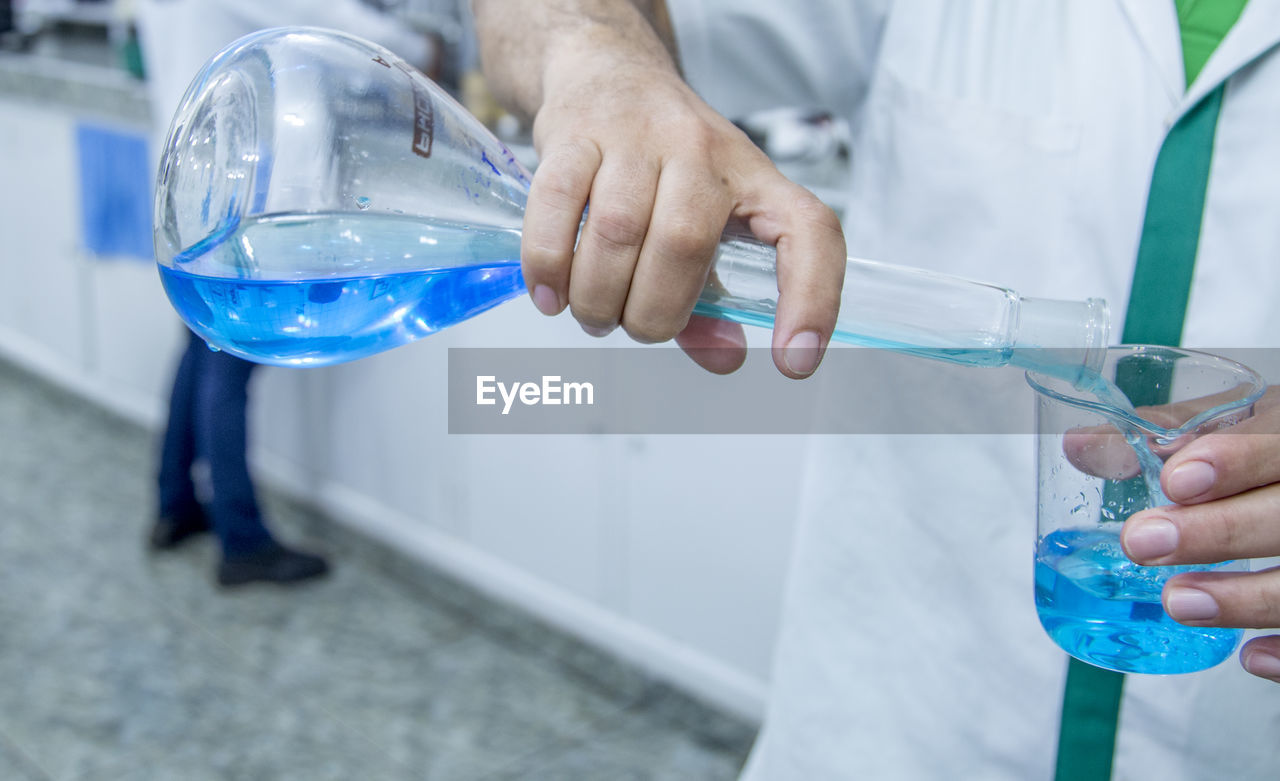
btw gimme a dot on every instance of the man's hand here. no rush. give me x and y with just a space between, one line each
660 174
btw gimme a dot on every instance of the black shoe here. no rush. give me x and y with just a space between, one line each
273 564
170 532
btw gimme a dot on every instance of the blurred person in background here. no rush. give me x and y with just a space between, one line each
1006 141
208 405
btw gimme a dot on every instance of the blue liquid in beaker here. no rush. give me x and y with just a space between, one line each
1096 603
358 284
1103 609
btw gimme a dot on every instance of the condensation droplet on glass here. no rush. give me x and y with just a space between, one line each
213 348
363 202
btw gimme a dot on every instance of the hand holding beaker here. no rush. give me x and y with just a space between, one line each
1227 489
1102 448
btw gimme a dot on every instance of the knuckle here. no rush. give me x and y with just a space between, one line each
544 263
696 137
567 149
1219 531
810 209
1269 605
564 177
592 314
619 227
1210 532
652 328
544 254
687 241
1250 600
559 187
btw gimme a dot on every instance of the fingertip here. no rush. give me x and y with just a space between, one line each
1190 605
1100 451
1147 539
800 356
1190 480
1257 659
719 346
718 360
546 300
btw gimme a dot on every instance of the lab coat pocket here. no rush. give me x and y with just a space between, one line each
965 188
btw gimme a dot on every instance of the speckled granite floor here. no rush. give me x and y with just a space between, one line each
119 664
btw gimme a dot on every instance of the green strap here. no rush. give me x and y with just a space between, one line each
1171 231
1157 310
1091 699
1090 715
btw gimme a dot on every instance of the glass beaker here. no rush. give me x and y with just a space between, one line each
320 200
1100 447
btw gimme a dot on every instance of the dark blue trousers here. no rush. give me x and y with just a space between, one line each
207 421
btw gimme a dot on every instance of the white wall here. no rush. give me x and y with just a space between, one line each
98 325
670 551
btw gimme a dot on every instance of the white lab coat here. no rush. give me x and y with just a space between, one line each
1011 142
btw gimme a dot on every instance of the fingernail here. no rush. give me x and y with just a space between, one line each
801 353
545 299
1191 479
1189 604
598 332
1262 664
1150 538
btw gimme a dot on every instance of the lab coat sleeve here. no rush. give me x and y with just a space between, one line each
744 56
179 36
350 16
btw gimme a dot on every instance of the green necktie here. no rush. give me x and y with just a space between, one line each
1156 313
1157 310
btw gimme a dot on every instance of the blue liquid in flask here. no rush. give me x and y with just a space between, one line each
319 289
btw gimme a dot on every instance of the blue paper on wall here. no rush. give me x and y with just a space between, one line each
115 192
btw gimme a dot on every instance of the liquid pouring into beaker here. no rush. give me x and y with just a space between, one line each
1101 448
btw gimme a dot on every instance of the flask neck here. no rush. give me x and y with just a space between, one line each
921 312
1061 337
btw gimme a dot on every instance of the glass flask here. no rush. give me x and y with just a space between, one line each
1100 448
319 200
